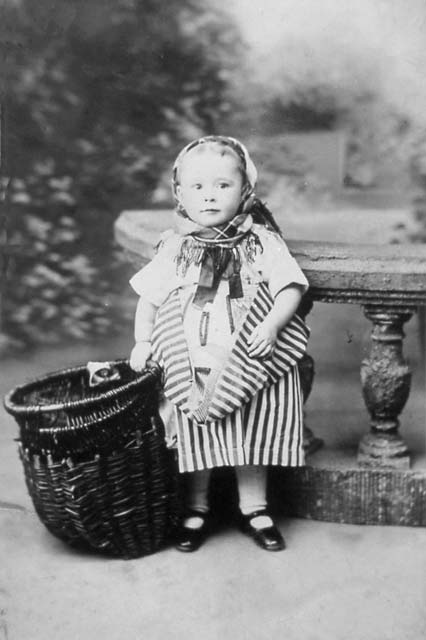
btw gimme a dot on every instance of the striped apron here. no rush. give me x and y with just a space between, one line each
254 414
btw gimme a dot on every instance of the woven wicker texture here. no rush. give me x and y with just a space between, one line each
95 461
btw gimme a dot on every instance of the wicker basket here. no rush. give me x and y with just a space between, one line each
95 460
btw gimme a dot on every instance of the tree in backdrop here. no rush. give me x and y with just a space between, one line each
100 95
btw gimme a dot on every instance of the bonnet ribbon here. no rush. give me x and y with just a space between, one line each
218 262
218 257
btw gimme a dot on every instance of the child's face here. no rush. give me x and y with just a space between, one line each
210 187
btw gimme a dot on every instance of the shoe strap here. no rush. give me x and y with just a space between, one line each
193 513
255 514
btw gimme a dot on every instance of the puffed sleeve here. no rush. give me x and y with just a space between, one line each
278 266
158 278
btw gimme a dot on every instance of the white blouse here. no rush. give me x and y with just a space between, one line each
274 265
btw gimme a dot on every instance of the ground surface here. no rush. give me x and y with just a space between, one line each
332 582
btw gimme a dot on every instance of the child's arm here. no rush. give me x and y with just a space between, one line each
264 336
144 323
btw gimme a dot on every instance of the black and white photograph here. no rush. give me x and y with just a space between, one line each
212 320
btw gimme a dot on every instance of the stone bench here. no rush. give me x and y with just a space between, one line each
389 282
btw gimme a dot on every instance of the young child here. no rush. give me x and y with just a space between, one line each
217 311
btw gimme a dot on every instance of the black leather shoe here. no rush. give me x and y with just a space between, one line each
188 539
268 538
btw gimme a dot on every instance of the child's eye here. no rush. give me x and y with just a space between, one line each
223 185
197 185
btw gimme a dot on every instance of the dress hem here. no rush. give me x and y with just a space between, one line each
188 463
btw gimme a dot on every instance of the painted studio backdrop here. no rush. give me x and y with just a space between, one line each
99 101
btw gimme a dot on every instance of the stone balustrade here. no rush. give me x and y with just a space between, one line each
389 282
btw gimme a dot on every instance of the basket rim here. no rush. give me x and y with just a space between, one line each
150 373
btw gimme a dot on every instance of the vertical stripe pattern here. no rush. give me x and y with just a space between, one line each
265 431
170 350
255 415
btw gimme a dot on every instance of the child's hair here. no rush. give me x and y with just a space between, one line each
217 146
224 145
262 215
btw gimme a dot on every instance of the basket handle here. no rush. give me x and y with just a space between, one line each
151 373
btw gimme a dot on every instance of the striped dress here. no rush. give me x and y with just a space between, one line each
228 409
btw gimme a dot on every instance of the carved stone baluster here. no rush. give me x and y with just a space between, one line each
386 379
307 371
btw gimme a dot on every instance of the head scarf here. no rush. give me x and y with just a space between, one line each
248 168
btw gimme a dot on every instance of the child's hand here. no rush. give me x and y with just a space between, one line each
140 354
262 340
